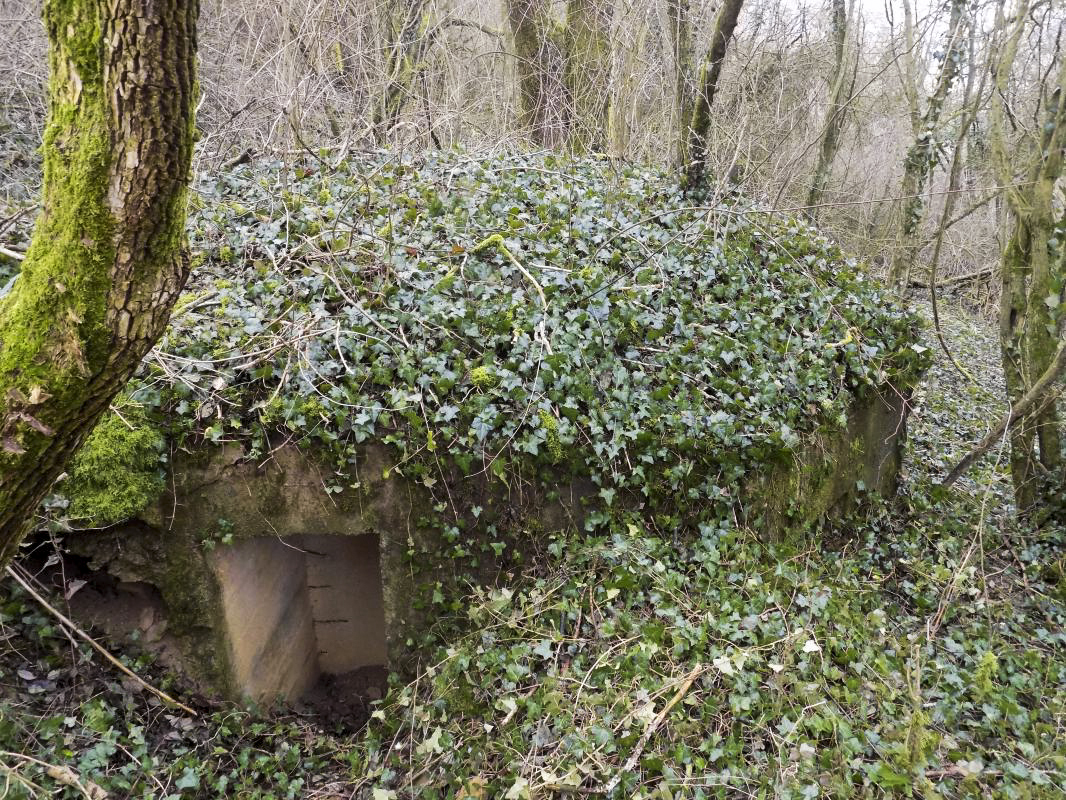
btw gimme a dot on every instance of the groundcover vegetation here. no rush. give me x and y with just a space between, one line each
615 330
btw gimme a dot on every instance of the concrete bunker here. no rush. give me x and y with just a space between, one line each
274 587
299 608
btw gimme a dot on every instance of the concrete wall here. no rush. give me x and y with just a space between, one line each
347 603
262 618
268 618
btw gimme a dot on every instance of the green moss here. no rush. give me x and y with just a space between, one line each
483 377
117 472
984 675
551 432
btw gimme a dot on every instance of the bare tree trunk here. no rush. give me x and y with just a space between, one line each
564 71
107 260
839 95
921 157
679 26
698 127
626 74
405 52
588 72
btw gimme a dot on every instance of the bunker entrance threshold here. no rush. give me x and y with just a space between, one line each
305 620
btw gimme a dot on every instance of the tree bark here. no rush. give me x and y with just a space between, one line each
1032 266
107 258
1033 399
405 53
564 72
544 104
679 28
588 72
839 95
921 157
698 127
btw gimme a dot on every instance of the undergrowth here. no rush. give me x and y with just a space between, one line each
921 654
917 650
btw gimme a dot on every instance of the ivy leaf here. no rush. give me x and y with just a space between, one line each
432 744
189 779
519 790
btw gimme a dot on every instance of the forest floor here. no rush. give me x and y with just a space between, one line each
933 662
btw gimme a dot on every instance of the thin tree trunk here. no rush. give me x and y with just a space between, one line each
698 127
679 28
839 96
921 157
405 53
971 106
107 261
626 75
1033 399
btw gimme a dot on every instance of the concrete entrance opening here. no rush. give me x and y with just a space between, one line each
301 608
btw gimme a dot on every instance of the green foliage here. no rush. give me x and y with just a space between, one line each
814 672
117 471
451 307
806 677
222 534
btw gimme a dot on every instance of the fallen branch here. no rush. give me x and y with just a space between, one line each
634 757
1026 404
496 240
15 254
955 281
95 645
64 775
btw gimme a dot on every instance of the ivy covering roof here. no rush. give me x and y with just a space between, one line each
581 315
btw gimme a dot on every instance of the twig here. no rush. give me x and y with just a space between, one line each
64 775
496 240
245 156
944 283
15 254
634 757
1020 409
95 645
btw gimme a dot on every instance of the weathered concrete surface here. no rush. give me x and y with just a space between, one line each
236 607
267 615
347 601
831 470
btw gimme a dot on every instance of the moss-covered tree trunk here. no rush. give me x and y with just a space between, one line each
107 261
564 72
544 104
626 55
1032 272
840 89
697 128
407 27
921 156
679 29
